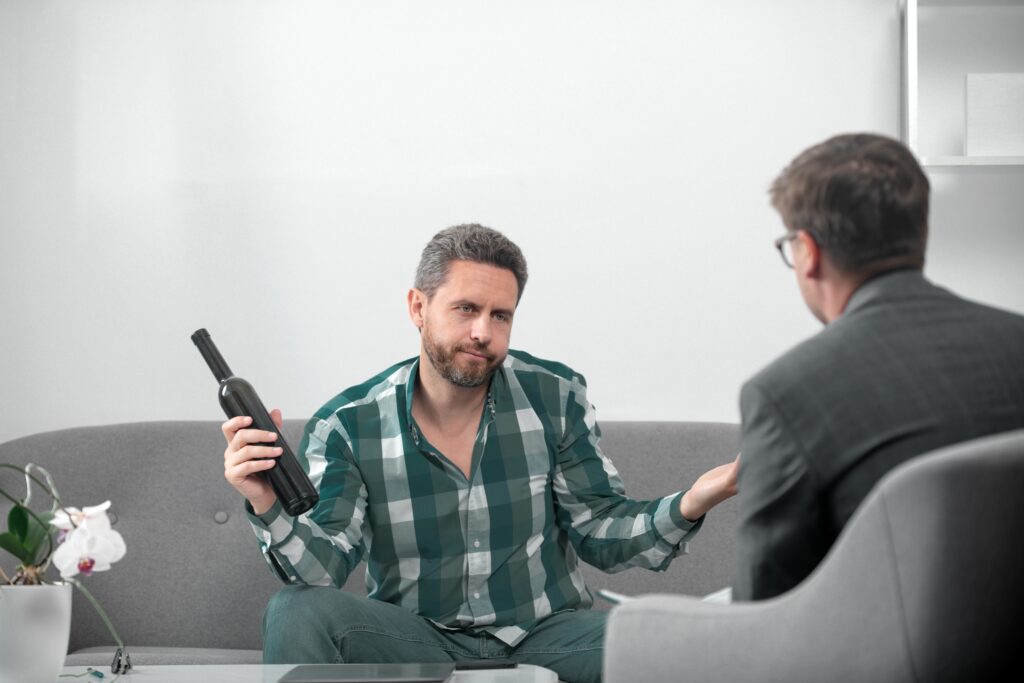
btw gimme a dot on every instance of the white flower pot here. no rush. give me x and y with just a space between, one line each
35 624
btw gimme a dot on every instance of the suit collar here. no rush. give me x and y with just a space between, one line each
893 283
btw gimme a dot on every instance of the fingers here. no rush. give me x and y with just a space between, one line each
711 488
734 471
233 425
731 478
241 464
250 452
247 445
237 472
236 426
244 437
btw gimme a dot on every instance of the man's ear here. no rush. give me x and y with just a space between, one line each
417 300
810 263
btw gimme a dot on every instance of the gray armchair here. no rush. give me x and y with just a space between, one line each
926 583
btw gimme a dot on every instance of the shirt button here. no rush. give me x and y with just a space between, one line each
476 544
476 596
220 517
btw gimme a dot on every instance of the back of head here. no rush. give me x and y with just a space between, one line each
864 200
468 242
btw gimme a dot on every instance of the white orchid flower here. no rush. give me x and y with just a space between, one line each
86 552
89 544
94 518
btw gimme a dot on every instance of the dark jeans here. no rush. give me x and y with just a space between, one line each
313 625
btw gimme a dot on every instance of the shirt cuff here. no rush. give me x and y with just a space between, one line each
273 527
670 524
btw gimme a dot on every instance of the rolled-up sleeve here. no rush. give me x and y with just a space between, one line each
608 529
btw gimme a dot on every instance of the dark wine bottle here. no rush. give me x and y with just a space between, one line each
237 397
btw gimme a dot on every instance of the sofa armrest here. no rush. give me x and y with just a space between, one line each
673 638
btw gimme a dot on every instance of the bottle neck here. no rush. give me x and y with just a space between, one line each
218 366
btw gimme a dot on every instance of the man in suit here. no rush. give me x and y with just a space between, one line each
902 367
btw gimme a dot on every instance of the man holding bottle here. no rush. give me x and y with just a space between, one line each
471 481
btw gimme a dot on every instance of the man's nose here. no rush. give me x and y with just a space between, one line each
481 331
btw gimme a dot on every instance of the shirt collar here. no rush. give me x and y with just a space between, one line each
410 385
498 394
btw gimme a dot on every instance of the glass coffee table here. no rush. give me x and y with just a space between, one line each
271 673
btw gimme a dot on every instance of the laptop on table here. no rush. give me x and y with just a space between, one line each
424 672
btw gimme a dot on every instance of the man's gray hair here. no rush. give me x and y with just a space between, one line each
468 242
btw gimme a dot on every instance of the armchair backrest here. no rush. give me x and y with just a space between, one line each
924 584
954 525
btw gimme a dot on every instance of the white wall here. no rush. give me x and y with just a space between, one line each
271 170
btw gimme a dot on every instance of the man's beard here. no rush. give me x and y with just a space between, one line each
444 361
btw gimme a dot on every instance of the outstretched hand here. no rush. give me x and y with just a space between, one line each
710 489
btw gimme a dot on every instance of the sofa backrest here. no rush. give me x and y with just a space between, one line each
193 575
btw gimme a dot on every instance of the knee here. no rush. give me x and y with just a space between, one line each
298 625
293 599
283 609
299 609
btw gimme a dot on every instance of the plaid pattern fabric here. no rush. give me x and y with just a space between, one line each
498 551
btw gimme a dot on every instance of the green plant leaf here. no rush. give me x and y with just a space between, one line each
11 544
35 538
17 522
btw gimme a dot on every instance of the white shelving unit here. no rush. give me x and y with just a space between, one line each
942 41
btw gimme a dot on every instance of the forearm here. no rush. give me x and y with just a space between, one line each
608 529
299 551
629 533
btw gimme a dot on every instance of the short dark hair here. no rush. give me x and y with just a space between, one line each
468 242
862 197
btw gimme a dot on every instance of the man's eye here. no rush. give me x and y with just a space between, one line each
466 308
501 317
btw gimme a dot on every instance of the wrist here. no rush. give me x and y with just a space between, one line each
261 506
689 509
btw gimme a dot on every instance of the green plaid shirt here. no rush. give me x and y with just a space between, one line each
496 552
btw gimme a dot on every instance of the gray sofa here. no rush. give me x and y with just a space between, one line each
193 585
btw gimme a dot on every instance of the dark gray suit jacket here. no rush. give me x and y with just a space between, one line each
907 368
